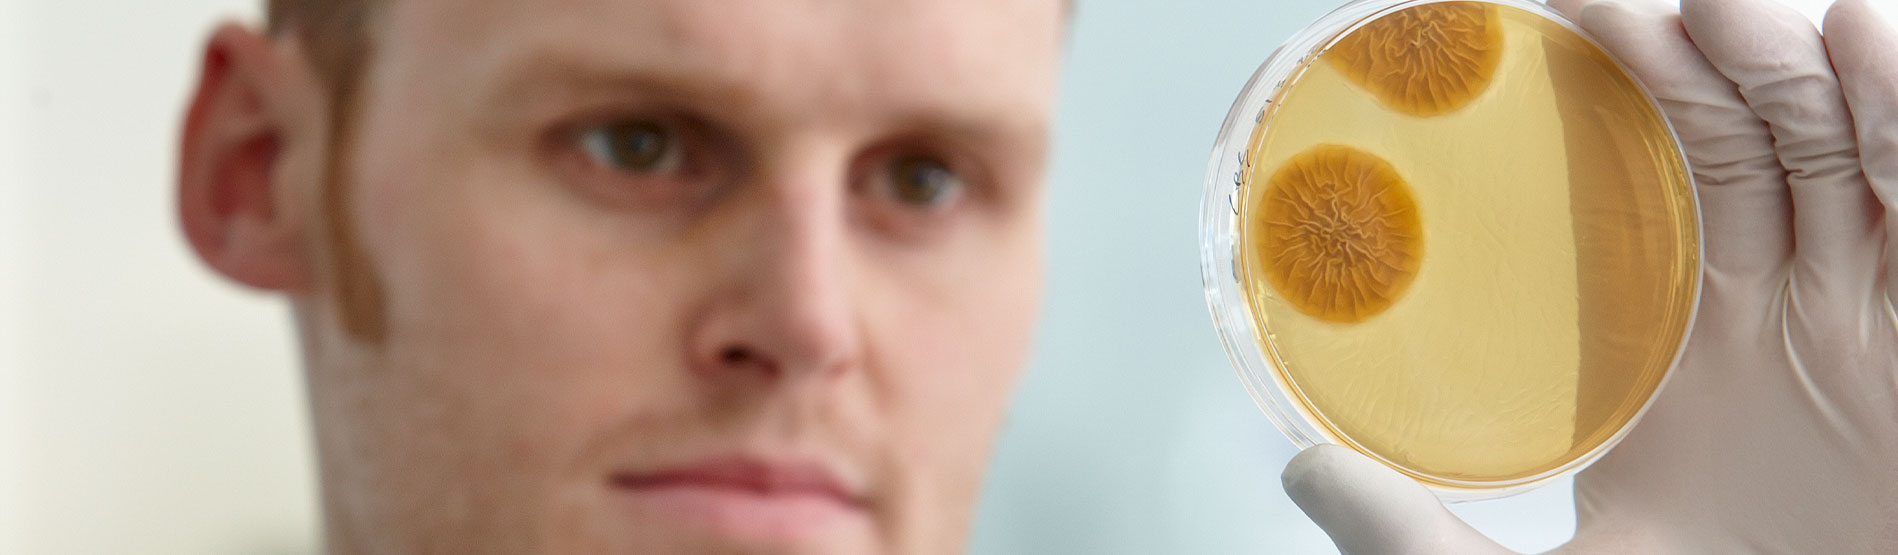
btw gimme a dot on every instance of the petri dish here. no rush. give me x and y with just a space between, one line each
1456 236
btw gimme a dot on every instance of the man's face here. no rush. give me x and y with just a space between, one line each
669 276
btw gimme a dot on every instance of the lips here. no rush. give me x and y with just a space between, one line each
743 476
746 498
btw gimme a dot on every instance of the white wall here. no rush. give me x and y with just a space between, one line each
147 407
158 409
12 101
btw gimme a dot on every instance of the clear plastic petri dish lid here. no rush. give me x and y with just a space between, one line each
1456 236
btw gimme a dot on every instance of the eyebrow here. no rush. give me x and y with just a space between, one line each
562 75
544 80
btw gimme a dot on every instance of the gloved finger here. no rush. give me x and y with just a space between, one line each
1745 208
1369 509
1862 44
1779 62
1569 8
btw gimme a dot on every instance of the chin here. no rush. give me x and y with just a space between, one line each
717 522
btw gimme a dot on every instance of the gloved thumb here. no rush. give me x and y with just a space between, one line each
1370 509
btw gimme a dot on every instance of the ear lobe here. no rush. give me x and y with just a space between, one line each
228 182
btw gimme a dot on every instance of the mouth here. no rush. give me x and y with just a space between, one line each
747 499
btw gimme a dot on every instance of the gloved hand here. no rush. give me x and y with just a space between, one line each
1779 431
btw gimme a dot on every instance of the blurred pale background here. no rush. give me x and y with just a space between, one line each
147 407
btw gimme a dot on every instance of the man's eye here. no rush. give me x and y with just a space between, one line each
634 147
924 182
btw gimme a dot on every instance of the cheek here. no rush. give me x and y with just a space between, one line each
529 328
948 349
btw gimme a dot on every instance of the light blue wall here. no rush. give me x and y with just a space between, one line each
1130 433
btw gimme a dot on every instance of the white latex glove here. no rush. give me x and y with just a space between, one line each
1779 431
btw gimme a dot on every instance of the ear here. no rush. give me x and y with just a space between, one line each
233 200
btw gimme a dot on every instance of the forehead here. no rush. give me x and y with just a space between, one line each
995 53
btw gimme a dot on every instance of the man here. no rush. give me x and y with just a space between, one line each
619 276
665 276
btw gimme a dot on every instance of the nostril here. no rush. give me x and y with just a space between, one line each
735 356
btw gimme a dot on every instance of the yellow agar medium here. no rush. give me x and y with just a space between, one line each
1554 272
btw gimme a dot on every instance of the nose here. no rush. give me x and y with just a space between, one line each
781 308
